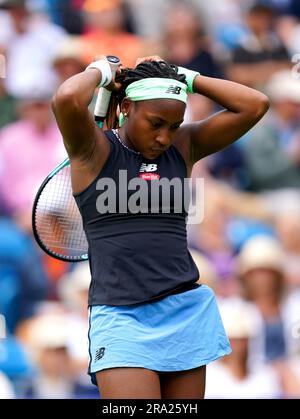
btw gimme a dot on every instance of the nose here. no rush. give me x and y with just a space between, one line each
163 139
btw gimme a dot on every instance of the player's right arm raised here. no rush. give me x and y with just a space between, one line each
87 146
70 107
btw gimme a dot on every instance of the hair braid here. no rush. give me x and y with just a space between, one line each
147 69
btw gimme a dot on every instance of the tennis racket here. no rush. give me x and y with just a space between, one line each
56 220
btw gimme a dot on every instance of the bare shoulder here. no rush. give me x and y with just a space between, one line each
85 169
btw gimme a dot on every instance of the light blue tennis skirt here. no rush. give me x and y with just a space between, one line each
180 332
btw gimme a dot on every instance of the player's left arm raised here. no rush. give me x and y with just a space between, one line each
243 108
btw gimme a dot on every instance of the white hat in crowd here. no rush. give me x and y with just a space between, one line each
261 252
33 88
239 318
48 331
283 86
73 283
69 48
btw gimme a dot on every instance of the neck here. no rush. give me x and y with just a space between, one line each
41 128
125 139
268 307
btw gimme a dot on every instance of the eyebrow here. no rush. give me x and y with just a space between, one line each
164 120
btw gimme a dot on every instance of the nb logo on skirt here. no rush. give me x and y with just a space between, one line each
99 354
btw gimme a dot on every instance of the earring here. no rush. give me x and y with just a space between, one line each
125 114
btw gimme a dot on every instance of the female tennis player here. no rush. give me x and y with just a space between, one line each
152 328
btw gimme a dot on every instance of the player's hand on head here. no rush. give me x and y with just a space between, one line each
113 86
148 58
100 57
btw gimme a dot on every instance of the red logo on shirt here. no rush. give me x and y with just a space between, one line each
146 172
149 176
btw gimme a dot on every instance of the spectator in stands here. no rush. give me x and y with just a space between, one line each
233 377
267 162
67 60
285 208
224 20
288 230
30 46
67 14
29 150
6 387
7 102
261 53
186 43
73 292
23 282
106 33
272 151
262 279
210 237
228 166
47 343
15 366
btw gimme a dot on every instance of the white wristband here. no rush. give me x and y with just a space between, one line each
104 67
190 77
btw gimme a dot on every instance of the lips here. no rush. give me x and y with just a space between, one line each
157 150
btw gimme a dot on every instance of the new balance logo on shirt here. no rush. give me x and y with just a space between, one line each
146 171
148 168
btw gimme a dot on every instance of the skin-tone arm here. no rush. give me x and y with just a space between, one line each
86 144
70 106
243 108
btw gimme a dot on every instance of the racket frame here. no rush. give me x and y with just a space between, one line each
50 252
99 115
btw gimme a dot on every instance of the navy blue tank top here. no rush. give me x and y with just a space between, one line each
137 238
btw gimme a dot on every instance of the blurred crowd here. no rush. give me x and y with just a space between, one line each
248 246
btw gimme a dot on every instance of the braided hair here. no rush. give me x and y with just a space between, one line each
147 69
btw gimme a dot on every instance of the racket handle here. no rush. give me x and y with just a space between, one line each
104 94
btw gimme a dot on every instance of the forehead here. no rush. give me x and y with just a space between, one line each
169 109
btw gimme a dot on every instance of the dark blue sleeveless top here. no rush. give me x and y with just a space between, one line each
139 253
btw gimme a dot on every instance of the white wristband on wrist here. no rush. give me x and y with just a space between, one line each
104 67
190 76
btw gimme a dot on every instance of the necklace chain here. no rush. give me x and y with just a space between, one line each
115 131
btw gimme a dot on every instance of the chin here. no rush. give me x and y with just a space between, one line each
151 155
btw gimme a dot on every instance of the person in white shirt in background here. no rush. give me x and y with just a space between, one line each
6 388
262 274
46 341
232 377
73 292
30 42
274 314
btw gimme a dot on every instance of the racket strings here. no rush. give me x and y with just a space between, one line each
57 219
